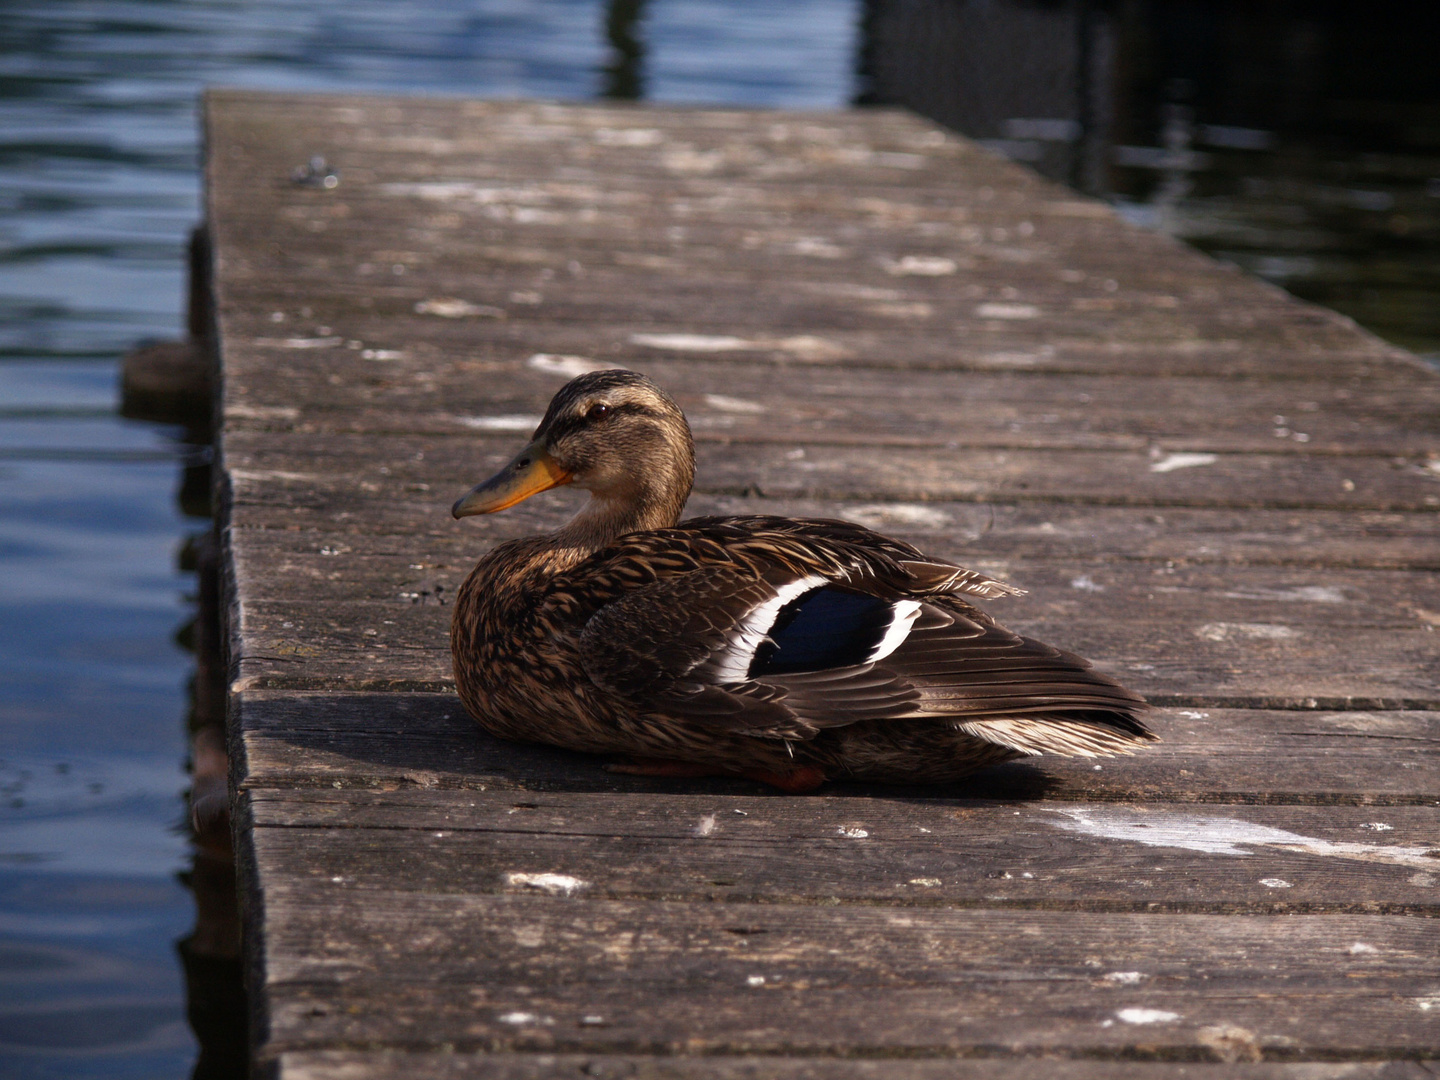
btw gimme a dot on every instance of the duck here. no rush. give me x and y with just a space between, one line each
791 651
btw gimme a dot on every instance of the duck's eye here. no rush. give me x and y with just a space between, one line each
598 411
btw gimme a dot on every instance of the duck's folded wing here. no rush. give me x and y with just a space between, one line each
772 652
687 646
962 662
788 656
956 665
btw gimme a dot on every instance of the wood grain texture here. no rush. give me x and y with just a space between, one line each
515 971
1195 636
1228 498
811 199
799 468
352 1065
1302 756
416 525
445 394
903 851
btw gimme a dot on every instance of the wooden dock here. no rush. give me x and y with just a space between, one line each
1228 498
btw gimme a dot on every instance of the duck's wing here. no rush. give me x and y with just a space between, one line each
783 640
1006 688
680 646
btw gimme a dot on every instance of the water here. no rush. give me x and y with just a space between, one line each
1299 141
98 190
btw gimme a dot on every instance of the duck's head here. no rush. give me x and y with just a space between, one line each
613 433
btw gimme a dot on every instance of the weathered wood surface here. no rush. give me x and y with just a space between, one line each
527 971
748 849
339 1065
1221 636
1387 757
878 472
1228 498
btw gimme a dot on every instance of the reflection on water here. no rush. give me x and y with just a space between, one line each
98 192
623 78
1301 142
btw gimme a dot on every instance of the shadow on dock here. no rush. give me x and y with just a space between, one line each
428 741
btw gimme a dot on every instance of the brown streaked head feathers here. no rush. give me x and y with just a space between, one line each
613 433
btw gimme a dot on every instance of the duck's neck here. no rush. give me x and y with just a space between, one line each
603 520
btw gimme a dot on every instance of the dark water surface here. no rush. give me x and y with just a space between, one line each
98 190
1300 141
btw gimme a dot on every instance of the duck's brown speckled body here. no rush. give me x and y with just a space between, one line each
792 651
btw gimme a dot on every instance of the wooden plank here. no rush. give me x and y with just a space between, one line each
306 565
1206 636
1223 623
329 392
906 852
1231 1048
1209 755
808 468
1204 662
379 343
825 338
907 350
291 528
857 301
828 199
392 967
843 312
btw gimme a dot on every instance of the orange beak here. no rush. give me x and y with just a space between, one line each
532 470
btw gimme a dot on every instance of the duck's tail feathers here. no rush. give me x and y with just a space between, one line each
928 577
1072 736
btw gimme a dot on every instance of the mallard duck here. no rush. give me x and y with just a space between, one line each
792 651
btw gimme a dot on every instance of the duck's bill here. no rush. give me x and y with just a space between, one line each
533 470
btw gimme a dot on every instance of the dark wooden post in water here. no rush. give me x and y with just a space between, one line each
1228 497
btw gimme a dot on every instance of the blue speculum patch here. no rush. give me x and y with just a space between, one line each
824 628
